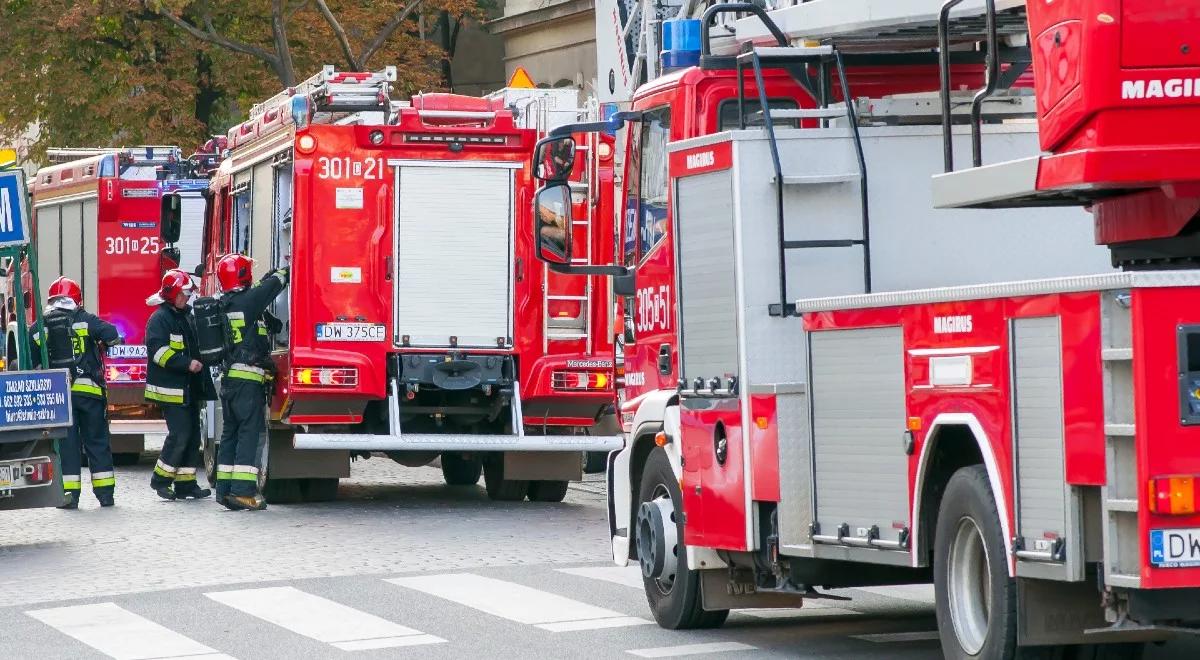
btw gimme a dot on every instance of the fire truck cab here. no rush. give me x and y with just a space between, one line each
851 364
418 322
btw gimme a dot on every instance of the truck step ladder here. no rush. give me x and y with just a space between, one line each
336 91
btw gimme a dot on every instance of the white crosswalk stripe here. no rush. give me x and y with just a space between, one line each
517 602
121 634
628 576
321 619
691 649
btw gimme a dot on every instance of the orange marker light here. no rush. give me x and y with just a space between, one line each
661 439
914 424
762 422
1173 496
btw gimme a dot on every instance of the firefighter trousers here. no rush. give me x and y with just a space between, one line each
244 423
180 456
89 434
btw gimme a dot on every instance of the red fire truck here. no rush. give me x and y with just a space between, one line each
418 321
97 221
836 384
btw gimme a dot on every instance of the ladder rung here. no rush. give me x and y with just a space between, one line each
796 53
580 223
566 297
801 245
816 179
566 335
1116 354
1128 506
1120 430
833 111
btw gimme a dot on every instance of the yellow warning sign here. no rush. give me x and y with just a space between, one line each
8 157
521 79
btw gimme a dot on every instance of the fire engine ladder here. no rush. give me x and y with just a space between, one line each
797 60
334 91
574 328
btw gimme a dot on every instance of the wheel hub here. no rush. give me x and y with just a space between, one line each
969 586
658 541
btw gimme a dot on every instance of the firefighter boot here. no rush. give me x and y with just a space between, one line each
70 500
105 499
165 492
190 489
245 503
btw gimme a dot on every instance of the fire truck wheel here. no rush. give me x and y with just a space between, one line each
547 491
499 488
976 599
672 589
282 491
594 462
459 470
319 490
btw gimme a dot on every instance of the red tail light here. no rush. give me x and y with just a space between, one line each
125 373
1173 496
40 472
581 381
324 377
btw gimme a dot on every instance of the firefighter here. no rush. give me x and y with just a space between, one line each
247 372
88 336
177 382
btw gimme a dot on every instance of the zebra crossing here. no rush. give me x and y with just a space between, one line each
115 630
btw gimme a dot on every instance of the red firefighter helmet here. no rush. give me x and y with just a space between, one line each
65 287
235 270
174 282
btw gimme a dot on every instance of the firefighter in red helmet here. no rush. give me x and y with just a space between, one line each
84 338
178 383
246 375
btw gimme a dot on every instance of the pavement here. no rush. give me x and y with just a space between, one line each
400 566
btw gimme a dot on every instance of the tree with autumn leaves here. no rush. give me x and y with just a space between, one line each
110 72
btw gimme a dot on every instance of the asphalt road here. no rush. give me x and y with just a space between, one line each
400 566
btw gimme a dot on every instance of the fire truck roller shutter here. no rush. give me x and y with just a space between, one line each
454 243
71 237
858 416
191 233
262 202
49 230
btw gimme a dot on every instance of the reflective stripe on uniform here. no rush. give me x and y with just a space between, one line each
70 482
224 472
184 478
176 342
164 470
164 394
246 372
102 479
162 355
262 329
244 473
80 328
88 386
186 470
185 474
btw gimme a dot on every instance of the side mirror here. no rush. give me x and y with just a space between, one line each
625 285
168 259
199 271
171 217
552 219
553 158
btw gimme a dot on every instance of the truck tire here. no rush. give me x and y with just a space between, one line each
458 470
319 489
125 459
976 599
674 598
547 491
282 491
594 462
499 488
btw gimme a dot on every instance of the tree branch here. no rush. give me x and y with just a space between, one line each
340 32
386 32
210 35
283 51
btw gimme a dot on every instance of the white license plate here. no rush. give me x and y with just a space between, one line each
1175 548
350 332
127 351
